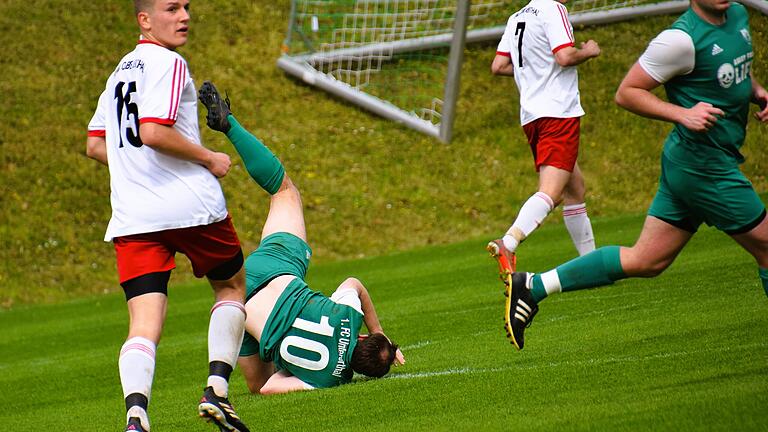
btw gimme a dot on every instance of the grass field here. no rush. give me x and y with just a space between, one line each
684 351
363 178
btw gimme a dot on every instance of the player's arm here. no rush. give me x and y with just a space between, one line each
669 55
370 318
634 94
284 382
502 65
255 371
572 56
96 143
759 97
169 141
96 148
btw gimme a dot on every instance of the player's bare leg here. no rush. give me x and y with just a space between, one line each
552 183
286 213
137 356
655 250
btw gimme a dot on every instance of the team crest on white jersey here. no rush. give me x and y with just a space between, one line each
725 75
716 49
747 37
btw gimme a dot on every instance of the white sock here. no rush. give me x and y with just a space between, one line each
531 214
225 335
137 370
579 226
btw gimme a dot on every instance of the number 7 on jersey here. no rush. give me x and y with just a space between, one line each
519 30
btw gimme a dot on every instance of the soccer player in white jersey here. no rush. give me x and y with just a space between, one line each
538 49
166 198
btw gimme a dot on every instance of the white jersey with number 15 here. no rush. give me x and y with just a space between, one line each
532 36
150 190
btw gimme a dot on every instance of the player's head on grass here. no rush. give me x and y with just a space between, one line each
165 22
373 355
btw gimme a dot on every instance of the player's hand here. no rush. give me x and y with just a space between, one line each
760 97
219 164
701 117
399 359
591 47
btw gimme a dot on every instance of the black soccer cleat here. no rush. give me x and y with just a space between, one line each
520 309
218 410
218 108
134 425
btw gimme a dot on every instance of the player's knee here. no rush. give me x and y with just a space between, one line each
653 268
352 281
288 190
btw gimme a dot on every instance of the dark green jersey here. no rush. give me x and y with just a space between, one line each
723 57
311 336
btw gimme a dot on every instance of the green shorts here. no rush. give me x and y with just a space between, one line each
724 199
278 254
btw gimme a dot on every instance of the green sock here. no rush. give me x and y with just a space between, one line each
262 165
764 279
599 267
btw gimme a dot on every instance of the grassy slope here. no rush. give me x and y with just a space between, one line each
685 351
370 186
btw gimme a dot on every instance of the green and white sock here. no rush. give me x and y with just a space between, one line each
597 268
764 278
261 163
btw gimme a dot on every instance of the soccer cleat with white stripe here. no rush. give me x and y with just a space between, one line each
218 108
506 260
520 309
218 410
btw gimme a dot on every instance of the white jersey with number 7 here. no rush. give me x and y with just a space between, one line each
532 37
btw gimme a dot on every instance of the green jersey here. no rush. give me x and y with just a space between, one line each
311 336
720 76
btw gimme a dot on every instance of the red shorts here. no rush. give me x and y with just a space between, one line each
554 141
206 246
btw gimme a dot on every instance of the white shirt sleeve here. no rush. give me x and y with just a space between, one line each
349 297
97 126
669 55
558 27
505 45
159 99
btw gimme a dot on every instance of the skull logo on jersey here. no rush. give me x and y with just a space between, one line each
725 75
745 34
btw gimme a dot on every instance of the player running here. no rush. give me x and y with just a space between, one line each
166 199
296 339
538 49
703 60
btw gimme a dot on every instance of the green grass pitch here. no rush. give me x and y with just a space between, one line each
684 351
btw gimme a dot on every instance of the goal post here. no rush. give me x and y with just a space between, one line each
401 59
